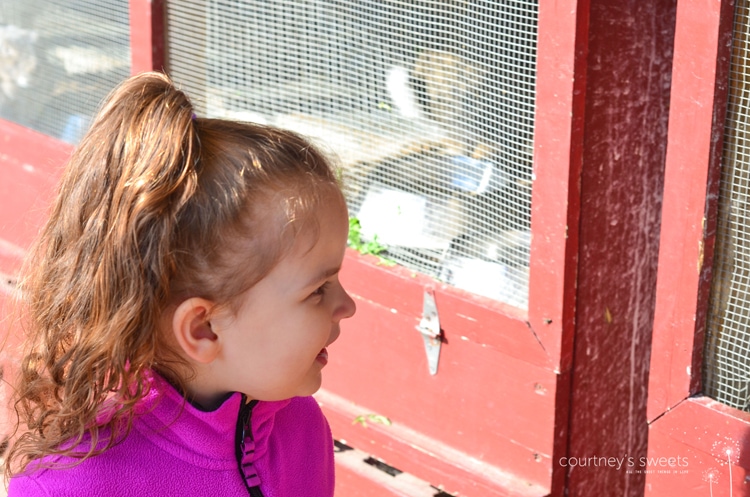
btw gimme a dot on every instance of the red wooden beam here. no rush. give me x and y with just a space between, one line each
442 465
147 36
627 71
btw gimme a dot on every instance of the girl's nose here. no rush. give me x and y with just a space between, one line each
346 308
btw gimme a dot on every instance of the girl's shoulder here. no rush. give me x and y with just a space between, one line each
297 449
296 418
142 464
155 458
64 475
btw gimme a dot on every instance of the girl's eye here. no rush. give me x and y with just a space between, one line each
321 290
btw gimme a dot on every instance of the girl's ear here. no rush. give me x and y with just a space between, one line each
193 332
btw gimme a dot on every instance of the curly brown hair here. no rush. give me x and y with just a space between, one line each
152 208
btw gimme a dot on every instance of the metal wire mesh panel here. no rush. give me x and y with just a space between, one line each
59 59
726 370
428 105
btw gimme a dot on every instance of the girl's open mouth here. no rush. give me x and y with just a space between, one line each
322 356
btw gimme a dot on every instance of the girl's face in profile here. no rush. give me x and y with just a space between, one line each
275 342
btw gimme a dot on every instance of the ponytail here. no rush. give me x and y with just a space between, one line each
99 274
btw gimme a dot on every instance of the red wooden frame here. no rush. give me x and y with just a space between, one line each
697 428
525 348
530 353
533 349
710 440
698 107
558 143
445 427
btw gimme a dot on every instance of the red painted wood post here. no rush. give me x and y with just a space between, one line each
628 58
147 36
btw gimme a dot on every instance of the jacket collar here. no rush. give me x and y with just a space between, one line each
194 435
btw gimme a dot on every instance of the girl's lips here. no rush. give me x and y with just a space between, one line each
322 356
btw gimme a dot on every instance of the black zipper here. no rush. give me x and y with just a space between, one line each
244 430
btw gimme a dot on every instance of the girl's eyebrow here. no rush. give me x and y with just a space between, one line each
323 275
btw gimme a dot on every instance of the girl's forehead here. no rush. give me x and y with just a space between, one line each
294 223
315 248
320 223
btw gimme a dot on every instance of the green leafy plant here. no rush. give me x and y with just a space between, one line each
373 418
370 247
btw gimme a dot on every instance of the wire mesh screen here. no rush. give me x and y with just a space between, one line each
428 105
726 369
59 59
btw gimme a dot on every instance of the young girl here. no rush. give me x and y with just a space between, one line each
178 308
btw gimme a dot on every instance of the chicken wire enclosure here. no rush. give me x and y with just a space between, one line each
428 106
726 368
59 59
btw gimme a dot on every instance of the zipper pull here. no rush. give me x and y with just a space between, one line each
245 447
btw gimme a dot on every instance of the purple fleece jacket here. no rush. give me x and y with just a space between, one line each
175 449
